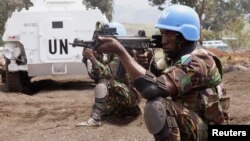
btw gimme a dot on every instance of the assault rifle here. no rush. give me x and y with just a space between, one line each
138 42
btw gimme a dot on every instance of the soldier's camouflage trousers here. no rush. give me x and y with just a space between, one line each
122 100
192 127
178 124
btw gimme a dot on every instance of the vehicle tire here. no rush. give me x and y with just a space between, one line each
16 81
13 82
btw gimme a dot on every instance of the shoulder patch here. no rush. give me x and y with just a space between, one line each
186 59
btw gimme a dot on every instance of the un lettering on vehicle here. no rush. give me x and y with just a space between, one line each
58 46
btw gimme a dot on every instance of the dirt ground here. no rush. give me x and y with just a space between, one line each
57 104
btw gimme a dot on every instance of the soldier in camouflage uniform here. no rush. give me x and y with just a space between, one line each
114 94
182 87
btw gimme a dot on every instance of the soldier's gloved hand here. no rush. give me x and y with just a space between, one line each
110 45
144 58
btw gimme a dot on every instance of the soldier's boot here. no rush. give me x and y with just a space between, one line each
95 118
160 120
101 92
89 123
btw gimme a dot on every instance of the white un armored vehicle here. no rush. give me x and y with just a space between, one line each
36 41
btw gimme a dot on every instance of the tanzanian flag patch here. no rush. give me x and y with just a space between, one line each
186 59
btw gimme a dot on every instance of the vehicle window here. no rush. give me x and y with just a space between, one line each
57 24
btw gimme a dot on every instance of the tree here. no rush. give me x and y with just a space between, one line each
106 6
237 29
217 16
210 35
213 14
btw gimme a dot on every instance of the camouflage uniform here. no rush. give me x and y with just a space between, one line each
93 74
122 98
196 103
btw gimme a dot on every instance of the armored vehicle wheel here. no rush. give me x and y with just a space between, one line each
16 81
13 82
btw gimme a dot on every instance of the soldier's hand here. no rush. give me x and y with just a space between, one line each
143 58
110 45
88 53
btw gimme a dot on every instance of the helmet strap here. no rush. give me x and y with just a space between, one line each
183 46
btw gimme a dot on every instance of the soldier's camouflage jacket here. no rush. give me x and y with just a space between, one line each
196 76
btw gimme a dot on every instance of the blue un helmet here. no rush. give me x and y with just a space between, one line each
182 19
119 28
